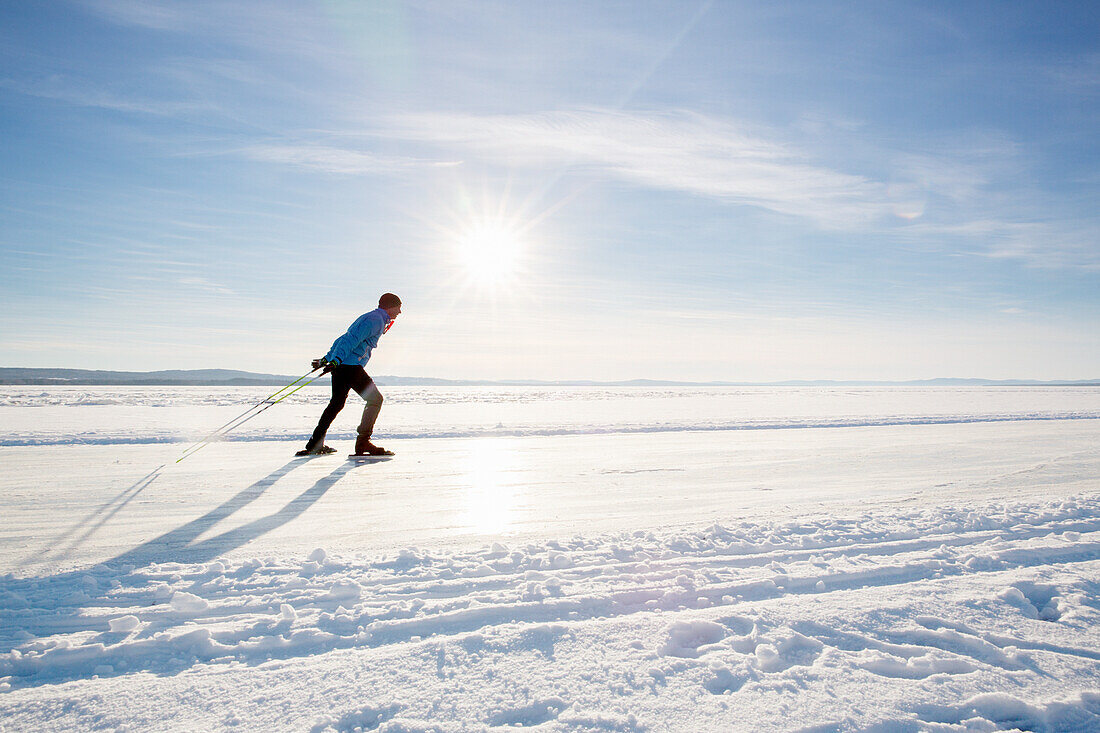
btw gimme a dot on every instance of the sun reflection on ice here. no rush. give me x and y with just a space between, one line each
491 496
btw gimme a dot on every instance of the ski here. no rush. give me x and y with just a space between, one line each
326 451
367 458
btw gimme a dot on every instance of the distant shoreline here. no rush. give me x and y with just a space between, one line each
45 377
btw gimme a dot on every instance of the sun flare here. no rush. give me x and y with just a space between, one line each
490 253
491 493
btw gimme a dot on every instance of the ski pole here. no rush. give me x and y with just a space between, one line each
261 402
265 404
252 412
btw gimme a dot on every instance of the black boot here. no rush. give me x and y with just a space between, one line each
318 449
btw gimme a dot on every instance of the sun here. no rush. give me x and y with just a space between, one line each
488 246
490 253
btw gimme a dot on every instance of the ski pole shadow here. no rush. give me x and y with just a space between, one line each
94 521
179 546
35 607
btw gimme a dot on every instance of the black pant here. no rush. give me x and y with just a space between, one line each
344 379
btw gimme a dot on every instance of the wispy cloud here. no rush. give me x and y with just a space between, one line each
729 160
205 285
1079 74
70 93
272 28
673 151
1046 244
154 15
1040 243
335 159
973 188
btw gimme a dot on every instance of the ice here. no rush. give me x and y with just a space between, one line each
142 415
611 559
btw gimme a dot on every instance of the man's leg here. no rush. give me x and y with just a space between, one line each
374 400
370 411
341 382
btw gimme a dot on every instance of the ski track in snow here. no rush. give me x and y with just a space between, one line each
101 437
717 610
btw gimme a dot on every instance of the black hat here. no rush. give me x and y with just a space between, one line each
389 300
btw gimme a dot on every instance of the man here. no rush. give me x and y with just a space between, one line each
345 360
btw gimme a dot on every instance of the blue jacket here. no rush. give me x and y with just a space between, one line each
354 347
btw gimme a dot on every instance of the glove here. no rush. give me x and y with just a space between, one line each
323 362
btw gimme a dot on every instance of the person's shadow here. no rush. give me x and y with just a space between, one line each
178 545
38 606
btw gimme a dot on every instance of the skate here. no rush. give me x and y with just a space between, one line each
367 449
324 450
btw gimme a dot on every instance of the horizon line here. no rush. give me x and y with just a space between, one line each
62 376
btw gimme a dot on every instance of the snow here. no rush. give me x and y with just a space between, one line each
605 560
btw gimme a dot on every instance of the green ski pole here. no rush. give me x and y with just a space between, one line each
272 399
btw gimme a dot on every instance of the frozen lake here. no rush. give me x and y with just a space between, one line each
172 414
544 463
564 558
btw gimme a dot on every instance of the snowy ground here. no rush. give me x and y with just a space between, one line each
606 560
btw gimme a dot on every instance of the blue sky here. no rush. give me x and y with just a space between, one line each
717 190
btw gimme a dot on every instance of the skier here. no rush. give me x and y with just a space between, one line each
345 360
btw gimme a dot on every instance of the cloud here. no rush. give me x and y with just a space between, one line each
205 285
1045 244
969 193
88 97
679 151
334 159
1079 74
140 13
1037 243
274 28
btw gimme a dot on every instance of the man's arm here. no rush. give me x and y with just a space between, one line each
365 327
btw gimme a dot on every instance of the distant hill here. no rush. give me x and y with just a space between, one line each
171 377
235 378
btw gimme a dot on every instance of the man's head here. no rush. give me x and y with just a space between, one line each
390 303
